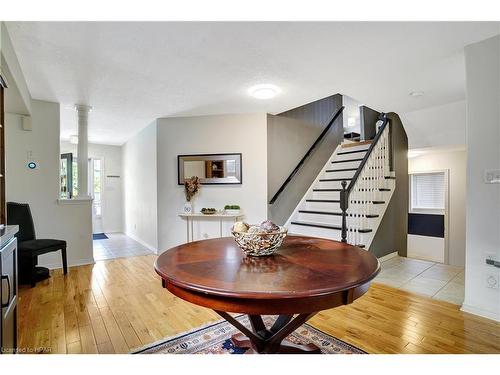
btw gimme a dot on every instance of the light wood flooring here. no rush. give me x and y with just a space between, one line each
117 305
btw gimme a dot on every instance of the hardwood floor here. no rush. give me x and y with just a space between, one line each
117 305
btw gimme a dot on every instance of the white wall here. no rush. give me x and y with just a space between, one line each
139 166
112 198
442 125
246 133
433 159
482 61
20 96
40 187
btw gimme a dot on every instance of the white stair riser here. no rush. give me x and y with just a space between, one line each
315 232
329 184
321 206
338 174
355 148
323 219
332 234
356 155
350 164
326 195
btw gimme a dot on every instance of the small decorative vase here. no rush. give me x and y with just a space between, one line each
188 208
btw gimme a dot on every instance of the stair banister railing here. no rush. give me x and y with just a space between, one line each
306 155
364 186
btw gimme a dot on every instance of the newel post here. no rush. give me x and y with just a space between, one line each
343 207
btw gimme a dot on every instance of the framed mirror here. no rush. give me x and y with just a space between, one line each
210 168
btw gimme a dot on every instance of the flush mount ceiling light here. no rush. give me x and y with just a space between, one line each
416 94
264 91
73 139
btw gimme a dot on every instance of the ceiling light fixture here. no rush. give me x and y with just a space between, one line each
264 91
416 94
73 139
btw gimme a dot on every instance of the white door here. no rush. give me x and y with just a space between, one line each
96 170
428 216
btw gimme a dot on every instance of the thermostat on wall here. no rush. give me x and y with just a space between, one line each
32 165
492 176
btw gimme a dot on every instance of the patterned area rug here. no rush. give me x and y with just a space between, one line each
215 339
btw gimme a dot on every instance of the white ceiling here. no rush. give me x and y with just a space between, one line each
134 72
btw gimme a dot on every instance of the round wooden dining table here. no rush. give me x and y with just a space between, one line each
306 275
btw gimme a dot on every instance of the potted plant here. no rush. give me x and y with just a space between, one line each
232 209
191 187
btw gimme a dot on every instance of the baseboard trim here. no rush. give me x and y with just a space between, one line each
146 245
480 312
76 263
388 256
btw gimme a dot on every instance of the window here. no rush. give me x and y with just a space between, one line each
427 191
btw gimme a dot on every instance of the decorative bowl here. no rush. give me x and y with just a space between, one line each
229 211
260 244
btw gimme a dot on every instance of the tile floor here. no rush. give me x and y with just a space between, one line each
118 245
436 280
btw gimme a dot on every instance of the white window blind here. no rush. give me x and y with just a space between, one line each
427 190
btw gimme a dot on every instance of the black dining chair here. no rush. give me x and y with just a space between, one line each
29 247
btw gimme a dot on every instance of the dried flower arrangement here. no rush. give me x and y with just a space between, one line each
191 187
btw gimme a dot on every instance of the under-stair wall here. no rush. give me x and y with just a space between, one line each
392 232
290 134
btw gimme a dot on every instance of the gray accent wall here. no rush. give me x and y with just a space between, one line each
392 232
368 119
289 136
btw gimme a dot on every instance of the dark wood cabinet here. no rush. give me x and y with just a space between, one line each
8 292
3 217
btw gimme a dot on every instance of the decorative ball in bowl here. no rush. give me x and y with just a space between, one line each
258 240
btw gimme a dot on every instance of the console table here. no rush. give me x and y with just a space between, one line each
191 217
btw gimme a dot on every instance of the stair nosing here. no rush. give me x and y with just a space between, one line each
334 179
324 200
341 170
351 152
346 161
327 189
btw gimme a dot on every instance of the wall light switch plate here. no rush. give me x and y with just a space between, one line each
492 176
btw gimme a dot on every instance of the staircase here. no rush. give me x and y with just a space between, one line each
368 188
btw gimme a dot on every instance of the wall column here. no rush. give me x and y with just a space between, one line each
83 152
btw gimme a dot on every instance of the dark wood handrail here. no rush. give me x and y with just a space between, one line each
306 155
344 193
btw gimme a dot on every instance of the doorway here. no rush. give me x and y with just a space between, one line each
428 216
96 169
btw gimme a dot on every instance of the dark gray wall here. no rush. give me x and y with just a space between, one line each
368 119
290 134
393 230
